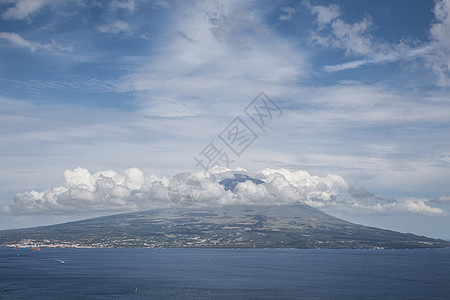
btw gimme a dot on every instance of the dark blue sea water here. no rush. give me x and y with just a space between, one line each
224 274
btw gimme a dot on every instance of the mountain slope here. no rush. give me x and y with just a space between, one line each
293 226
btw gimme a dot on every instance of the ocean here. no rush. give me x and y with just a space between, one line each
224 274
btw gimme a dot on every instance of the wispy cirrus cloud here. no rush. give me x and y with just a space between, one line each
357 41
212 52
115 26
18 40
399 52
128 5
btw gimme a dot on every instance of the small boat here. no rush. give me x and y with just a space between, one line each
16 248
36 248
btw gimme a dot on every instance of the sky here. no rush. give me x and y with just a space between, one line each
342 105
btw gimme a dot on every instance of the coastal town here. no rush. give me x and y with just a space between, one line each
127 243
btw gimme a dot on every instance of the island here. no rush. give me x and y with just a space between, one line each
235 226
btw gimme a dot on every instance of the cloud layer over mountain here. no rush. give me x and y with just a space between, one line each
108 191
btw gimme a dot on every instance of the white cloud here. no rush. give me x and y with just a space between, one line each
214 51
356 40
287 13
396 53
115 20
103 191
440 29
129 5
115 26
439 59
334 32
162 3
345 66
442 199
17 40
325 14
420 206
352 37
108 191
24 8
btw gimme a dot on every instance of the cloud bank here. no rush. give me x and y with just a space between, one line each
108 191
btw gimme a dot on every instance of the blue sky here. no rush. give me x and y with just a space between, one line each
103 101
